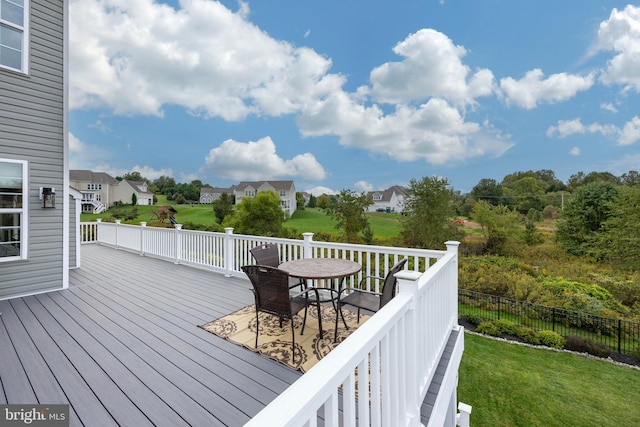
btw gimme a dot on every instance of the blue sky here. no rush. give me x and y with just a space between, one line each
354 94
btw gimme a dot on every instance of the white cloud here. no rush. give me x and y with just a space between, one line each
75 145
135 57
575 151
363 186
259 161
566 128
607 106
320 190
621 34
432 67
630 132
533 88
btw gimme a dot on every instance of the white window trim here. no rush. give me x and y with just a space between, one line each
24 211
25 38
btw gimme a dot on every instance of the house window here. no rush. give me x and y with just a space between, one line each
94 187
283 193
14 34
377 197
13 211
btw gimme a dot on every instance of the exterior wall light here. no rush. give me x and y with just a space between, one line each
48 197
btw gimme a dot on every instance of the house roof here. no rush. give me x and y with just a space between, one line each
216 190
278 185
388 193
138 186
93 177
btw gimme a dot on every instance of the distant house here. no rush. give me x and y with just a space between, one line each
209 194
306 196
389 200
37 208
100 191
285 189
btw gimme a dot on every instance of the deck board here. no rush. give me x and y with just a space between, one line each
122 346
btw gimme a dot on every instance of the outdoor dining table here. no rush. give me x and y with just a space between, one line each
331 270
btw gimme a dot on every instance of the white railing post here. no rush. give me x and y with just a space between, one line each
308 240
228 251
98 222
178 243
117 227
408 284
143 227
464 416
452 248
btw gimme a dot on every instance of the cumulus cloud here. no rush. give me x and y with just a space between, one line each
363 186
258 160
608 106
135 57
630 132
575 151
534 89
432 67
621 35
75 145
320 190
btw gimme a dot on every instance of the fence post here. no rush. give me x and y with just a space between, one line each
143 227
178 243
553 319
619 335
408 284
117 224
228 251
308 240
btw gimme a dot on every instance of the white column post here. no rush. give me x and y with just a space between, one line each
229 253
408 284
308 240
96 235
117 227
178 243
143 227
464 416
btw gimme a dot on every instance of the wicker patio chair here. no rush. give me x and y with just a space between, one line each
368 300
272 296
268 254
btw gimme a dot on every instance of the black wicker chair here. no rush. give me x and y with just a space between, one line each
367 300
271 292
268 254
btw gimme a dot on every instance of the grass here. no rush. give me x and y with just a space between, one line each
514 385
309 220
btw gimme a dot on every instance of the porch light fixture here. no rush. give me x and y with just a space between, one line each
48 197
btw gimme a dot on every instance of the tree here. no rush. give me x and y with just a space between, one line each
489 190
260 215
324 201
134 199
349 210
312 201
299 201
583 216
428 213
164 184
619 240
222 207
134 176
499 226
630 178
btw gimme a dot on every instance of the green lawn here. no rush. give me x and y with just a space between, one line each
311 219
513 385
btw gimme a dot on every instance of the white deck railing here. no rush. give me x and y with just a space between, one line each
381 373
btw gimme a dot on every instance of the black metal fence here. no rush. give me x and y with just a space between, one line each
622 336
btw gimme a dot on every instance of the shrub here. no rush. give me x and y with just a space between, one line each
586 345
488 328
528 335
474 319
551 339
506 326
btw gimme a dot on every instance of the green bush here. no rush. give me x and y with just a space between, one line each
506 326
551 339
474 319
586 345
488 328
528 335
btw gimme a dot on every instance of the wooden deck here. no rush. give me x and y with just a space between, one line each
122 346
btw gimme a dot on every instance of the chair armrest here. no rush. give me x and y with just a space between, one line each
349 288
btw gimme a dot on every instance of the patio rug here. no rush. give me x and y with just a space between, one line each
275 342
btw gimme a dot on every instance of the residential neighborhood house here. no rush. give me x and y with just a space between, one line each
285 189
389 200
100 191
37 215
209 194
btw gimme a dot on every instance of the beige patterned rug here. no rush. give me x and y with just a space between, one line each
275 342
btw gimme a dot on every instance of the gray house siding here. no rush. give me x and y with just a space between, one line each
32 128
